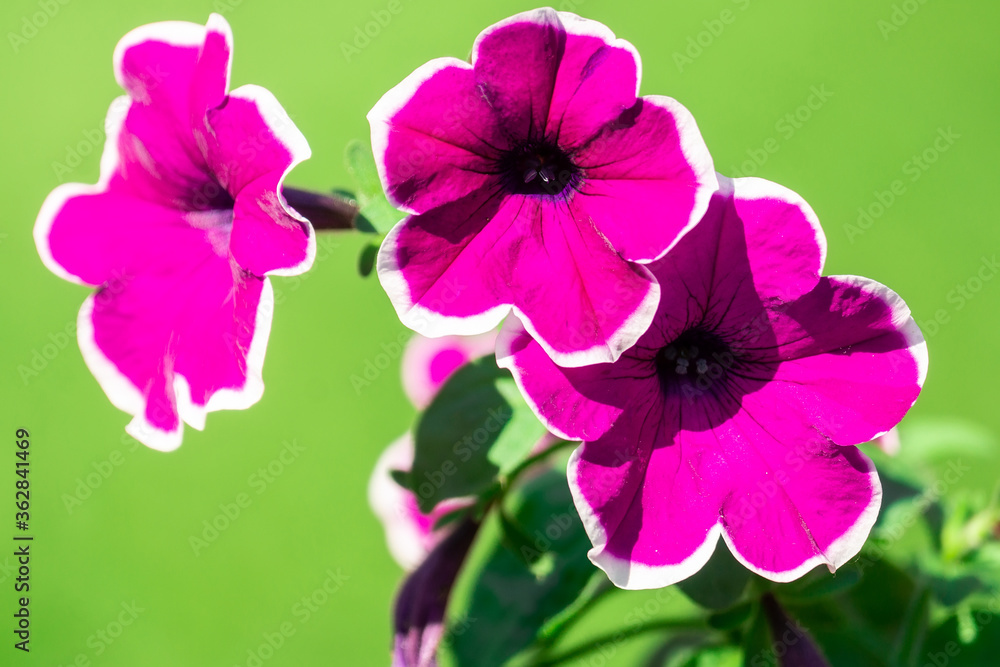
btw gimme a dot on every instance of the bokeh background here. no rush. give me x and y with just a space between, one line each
838 101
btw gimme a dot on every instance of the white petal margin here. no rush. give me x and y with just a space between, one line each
388 501
630 575
57 199
125 396
218 23
435 325
513 328
253 387
617 342
289 135
624 573
902 319
696 154
572 24
751 188
380 118
841 550
416 317
182 34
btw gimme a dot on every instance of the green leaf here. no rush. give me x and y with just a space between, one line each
882 595
731 618
400 477
477 428
757 641
510 600
375 211
944 645
361 165
517 541
366 260
718 585
951 591
820 583
716 656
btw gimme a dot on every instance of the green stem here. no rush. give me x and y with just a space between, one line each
622 635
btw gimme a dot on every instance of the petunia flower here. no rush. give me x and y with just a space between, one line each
427 364
180 232
737 413
538 182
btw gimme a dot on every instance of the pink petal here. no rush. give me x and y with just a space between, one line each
591 310
434 137
438 275
597 80
99 237
516 62
179 337
655 500
649 505
573 403
554 74
853 359
785 243
795 500
160 160
252 148
648 178
210 82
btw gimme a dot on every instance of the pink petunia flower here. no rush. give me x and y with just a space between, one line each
180 231
539 182
737 412
427 365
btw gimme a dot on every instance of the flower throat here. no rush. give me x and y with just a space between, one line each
538 168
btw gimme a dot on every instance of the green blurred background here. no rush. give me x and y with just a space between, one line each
894 76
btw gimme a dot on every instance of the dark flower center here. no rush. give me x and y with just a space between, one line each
538 168
695 359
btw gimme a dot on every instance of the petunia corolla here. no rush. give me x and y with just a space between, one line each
737 413
538 182
180 233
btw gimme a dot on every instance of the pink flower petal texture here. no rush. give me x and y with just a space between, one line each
539 182
737 413
180 232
